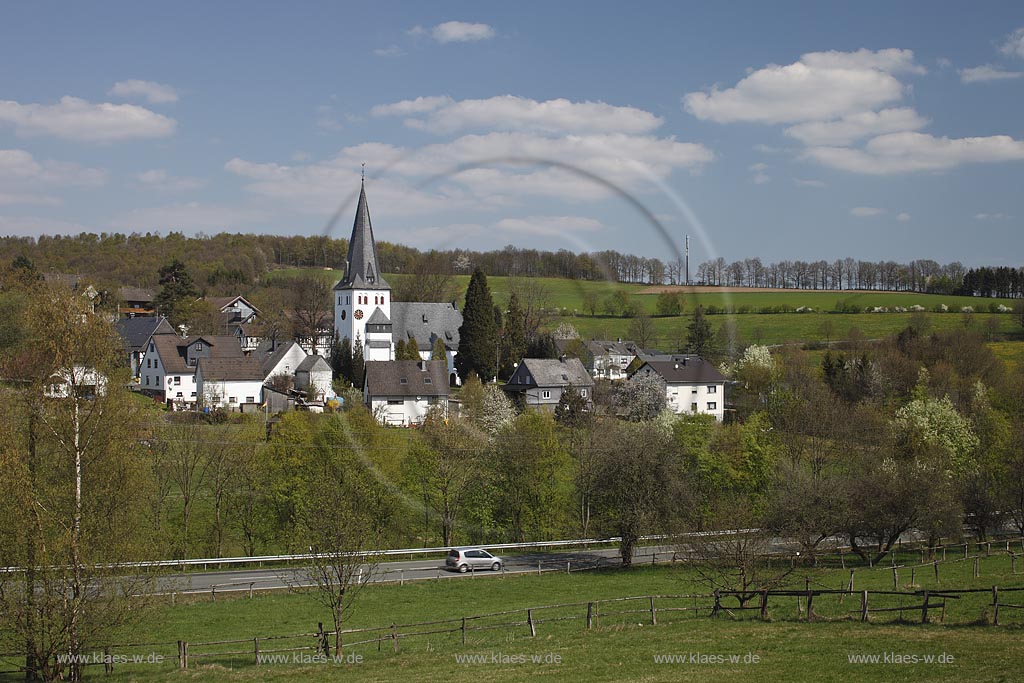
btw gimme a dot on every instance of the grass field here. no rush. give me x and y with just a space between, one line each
621 647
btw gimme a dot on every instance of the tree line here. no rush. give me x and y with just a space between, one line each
228 263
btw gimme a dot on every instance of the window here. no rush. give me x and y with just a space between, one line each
250 399
177 380
394 401
712 405
178 395
193 394
583 393
147 380
427 380
199 346
545 394
693 407
403 381
149 363
348 300
232 399
712 389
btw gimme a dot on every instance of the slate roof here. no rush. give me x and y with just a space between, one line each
384 378
140 294
136 331
172 350
311 363
378 318
685 369
426 322
245 369
269 356
603 347
222 302
362 270
548 372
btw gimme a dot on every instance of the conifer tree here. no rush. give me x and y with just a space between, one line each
478 335
513 339
341 360
439 352
357 364
699 336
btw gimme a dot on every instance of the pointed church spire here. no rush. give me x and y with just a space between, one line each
361 270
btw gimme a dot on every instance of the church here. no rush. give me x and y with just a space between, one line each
365 313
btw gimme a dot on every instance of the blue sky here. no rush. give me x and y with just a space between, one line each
775 130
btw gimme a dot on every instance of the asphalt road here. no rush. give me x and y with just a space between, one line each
266 579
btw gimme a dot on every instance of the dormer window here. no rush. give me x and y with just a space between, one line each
426 380
403 380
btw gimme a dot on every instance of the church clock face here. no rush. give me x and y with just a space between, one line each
358 314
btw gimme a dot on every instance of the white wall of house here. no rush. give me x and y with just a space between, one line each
450 357
230 394
180 388
320 383
696 398
402 411
289 362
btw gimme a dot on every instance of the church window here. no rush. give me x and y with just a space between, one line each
343 314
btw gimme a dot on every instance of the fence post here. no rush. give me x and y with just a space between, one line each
924 608
977 572
863 605
943 553
995 606
256 649
590 615
966 546
810 603
321 640
250 589
913 577
529 620
108 663
394 636
401 578
568 566
181 656
764 604
895 579
654 613
936 565
718 605
213 593
538 569
184 655
850 589
463 630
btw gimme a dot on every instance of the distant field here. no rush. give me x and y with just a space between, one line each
566 301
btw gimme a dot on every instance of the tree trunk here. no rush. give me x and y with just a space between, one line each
35 533
74 645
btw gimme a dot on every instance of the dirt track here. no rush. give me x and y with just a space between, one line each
704 289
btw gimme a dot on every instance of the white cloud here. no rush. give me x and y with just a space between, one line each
986 73
944 62
903 217
461 32
627 161
549 225
856 126
391 51
154 93
820 86
990 216
191 216
759 166
407 107
1014 44
509 112
909 152
20 169
759 177
808 183
159 179
76 119
866 211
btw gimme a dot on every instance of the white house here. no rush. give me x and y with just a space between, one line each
232 383
402 392
692 385
168 368
315 378
608 359
135 334
78 381
282 359
235 309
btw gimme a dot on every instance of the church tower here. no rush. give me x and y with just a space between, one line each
362 299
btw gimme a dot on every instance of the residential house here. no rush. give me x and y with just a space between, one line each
136 333
692 385
540 382
402 392
235 309
234 384
603 358
136 302
280 359
314 377
79 381
168 368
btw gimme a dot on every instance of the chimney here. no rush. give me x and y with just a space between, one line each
619 340
562 358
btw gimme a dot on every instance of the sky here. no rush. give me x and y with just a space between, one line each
872 130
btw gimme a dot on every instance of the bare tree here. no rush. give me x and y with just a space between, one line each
311 302
189 460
